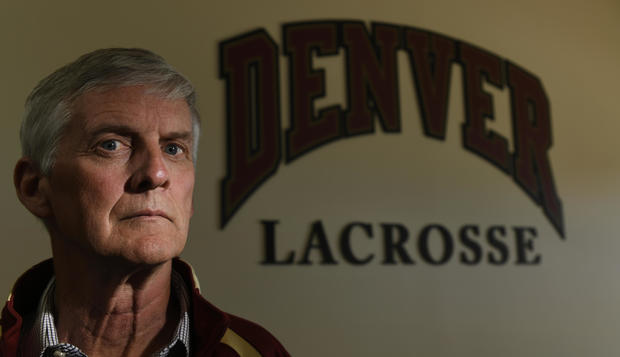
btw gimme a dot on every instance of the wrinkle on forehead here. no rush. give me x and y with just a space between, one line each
124 106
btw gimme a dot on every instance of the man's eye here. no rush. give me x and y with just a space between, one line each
109 145
173 149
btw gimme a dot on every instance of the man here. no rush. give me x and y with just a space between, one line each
109 148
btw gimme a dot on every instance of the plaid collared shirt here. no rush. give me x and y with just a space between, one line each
49 346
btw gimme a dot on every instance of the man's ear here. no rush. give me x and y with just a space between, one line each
30 186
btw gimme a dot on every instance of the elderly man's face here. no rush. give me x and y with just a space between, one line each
123 179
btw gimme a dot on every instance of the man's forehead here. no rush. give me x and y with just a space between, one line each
130 106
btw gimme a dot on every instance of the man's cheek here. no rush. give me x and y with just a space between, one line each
105 190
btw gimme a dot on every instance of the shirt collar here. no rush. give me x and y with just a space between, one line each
47 336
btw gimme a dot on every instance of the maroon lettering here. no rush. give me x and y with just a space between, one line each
372 85
249 64
306 84
532 140
479 105
431 58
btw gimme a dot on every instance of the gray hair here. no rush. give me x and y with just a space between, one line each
48 107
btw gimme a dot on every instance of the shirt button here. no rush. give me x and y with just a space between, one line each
59 354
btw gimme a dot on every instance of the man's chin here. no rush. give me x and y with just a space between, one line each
151 251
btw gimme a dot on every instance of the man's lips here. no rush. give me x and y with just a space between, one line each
148 213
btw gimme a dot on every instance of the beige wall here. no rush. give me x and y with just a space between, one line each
566 306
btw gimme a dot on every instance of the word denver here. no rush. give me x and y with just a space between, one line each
250 66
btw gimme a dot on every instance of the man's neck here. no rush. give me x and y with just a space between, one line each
105 310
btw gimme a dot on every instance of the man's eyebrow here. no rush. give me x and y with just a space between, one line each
183 135
112 128
127 130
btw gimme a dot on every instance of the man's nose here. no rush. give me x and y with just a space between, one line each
150 170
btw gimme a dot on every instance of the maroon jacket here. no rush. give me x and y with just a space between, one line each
214 333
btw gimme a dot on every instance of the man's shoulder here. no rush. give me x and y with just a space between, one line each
21 306
220 334
247 338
